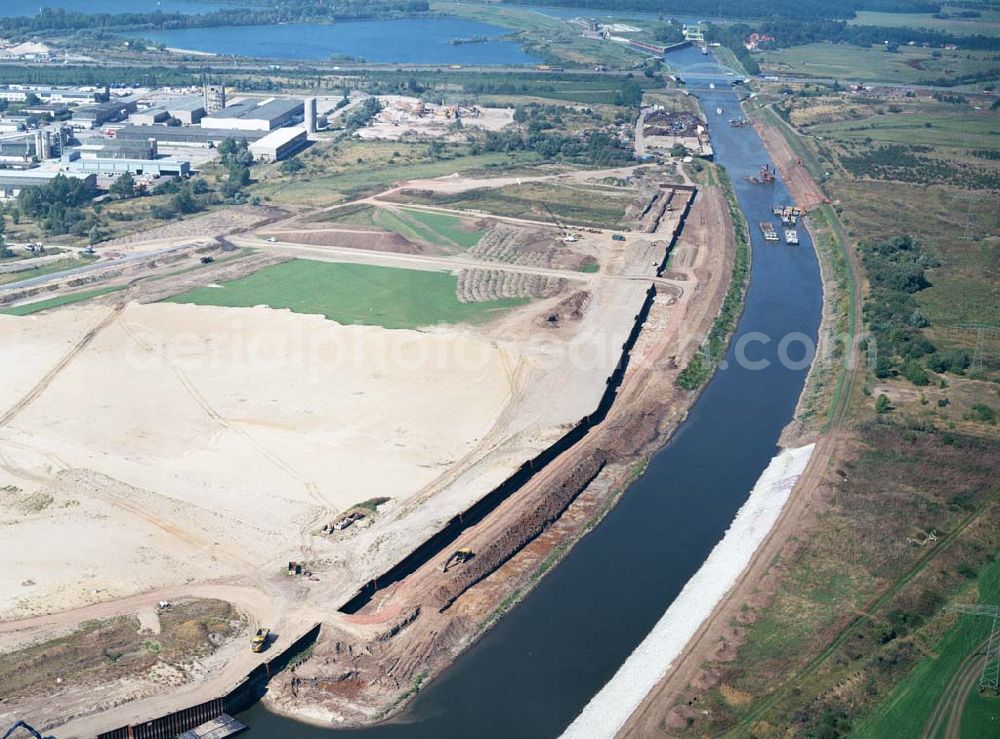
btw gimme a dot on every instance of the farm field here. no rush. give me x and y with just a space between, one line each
988 24
440 229
353 294
854 63
960 129
577 205
437 228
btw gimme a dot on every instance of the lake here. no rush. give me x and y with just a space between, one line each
10 8
404 40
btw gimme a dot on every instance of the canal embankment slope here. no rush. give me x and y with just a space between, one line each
611 708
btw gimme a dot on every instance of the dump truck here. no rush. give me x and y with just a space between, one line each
259 640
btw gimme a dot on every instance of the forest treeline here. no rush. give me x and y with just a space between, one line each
803 9
49 20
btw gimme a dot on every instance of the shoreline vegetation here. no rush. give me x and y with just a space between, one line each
50 21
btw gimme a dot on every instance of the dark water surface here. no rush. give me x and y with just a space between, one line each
404 40
30 7
535 671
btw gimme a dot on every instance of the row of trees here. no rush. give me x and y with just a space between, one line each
750 8
58 20
595 147
799 32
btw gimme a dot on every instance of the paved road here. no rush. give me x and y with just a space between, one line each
83 269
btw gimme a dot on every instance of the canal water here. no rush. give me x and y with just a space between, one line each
535 671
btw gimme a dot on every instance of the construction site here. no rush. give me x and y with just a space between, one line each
402 116
287 463
664 129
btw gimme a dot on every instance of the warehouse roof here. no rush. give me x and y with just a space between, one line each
267 110
280 137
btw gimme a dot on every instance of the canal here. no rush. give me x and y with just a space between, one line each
535 671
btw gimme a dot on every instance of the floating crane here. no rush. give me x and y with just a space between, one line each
764 177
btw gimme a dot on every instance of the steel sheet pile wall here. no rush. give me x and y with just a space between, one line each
238 699
488 503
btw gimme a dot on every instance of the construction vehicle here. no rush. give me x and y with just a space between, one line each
458 557
259 641
563 231
764 177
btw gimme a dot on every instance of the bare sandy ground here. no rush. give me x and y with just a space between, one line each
399 118
231 429
155 449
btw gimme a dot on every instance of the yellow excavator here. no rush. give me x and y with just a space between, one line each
458 557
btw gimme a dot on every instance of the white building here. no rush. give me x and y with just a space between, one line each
278 144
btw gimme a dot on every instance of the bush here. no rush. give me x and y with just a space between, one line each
983 413
915 373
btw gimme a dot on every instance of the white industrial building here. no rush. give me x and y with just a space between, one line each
251 115
278 144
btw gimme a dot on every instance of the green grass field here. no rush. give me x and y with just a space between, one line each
352 294
987 25
29 308
434 228
957 129
875 64
416 225
980 717
578 205
906 710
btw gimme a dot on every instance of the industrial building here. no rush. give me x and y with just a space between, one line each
183 135
119 149
92 116
250 115
20 93
155 167
214 98
187 110
13 181
41 143
278 144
